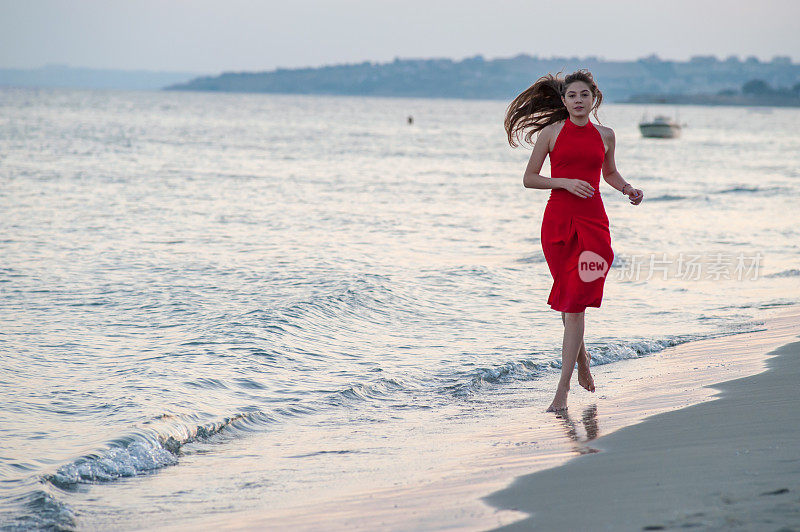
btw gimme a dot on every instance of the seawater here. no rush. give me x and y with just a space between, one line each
205 297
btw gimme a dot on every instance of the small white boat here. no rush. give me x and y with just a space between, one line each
661 127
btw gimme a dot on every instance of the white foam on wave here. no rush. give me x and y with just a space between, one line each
140 455
143 452
601 353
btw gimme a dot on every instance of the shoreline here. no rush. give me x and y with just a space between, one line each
489 452
728 464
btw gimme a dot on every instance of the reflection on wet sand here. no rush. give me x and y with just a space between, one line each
590 426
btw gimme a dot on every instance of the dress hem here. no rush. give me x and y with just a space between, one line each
574 311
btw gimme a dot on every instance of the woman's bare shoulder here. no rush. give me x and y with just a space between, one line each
606 132
554 126
550 132
552 129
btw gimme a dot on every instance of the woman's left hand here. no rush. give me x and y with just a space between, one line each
636 196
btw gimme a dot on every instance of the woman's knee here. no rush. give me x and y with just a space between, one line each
573 316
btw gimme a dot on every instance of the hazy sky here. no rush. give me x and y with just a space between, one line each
231 35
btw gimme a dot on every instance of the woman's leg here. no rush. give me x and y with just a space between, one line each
584 373
571 346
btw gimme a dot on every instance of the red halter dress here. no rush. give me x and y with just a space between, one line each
575 235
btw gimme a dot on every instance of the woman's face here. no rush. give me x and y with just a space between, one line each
578 98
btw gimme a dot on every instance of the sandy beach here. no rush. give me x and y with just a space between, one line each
692 454
728 464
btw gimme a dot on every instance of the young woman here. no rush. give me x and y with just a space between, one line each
575 235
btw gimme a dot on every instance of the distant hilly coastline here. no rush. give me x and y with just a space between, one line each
649 79
703 80
755 92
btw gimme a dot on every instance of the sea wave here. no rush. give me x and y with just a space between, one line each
523 369
600 353
377 390
145 451
364 299
41 510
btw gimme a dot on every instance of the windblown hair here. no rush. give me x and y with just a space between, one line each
540 105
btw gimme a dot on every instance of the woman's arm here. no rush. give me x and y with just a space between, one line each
613 177
532 178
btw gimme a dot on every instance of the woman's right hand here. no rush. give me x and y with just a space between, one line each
580 188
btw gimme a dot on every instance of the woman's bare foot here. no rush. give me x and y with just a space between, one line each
584 374
560 400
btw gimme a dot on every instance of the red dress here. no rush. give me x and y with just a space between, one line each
575 235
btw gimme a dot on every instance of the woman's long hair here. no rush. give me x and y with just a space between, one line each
540 104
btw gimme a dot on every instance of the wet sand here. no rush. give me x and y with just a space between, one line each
728 464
